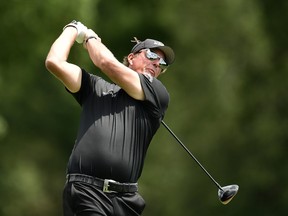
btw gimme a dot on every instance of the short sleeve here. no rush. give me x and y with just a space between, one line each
156 95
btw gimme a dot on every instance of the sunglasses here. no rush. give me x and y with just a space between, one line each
154 56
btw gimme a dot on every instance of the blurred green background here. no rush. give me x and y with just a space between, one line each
228 91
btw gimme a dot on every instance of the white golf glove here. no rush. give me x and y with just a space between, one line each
81 29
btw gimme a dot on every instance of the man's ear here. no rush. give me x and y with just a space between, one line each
130 58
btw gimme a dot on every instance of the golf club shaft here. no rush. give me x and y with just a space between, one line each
195 159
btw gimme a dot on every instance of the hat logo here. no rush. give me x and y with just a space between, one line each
158 43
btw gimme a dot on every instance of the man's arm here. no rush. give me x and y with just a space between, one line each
123 76
56 61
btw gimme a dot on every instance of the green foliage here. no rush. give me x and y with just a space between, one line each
228 102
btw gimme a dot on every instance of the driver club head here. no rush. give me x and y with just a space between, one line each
227 193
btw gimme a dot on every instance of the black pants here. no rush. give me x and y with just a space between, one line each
82 199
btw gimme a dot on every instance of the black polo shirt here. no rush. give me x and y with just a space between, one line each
115 129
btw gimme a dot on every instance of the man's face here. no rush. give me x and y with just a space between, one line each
140 63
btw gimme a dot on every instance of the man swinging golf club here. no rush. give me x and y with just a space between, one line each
118 120
117 124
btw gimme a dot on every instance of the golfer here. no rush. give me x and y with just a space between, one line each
118 120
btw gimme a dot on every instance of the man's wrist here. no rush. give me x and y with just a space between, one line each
71 29
90 37
72 24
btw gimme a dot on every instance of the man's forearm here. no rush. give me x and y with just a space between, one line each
62 46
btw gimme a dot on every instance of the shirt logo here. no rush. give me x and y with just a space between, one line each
111 92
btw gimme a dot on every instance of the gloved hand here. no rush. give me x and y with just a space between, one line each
81 29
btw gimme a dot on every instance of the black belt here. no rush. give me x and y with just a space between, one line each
107 185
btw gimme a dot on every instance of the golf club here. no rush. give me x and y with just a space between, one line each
225 194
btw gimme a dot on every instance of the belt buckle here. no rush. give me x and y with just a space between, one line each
106 185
